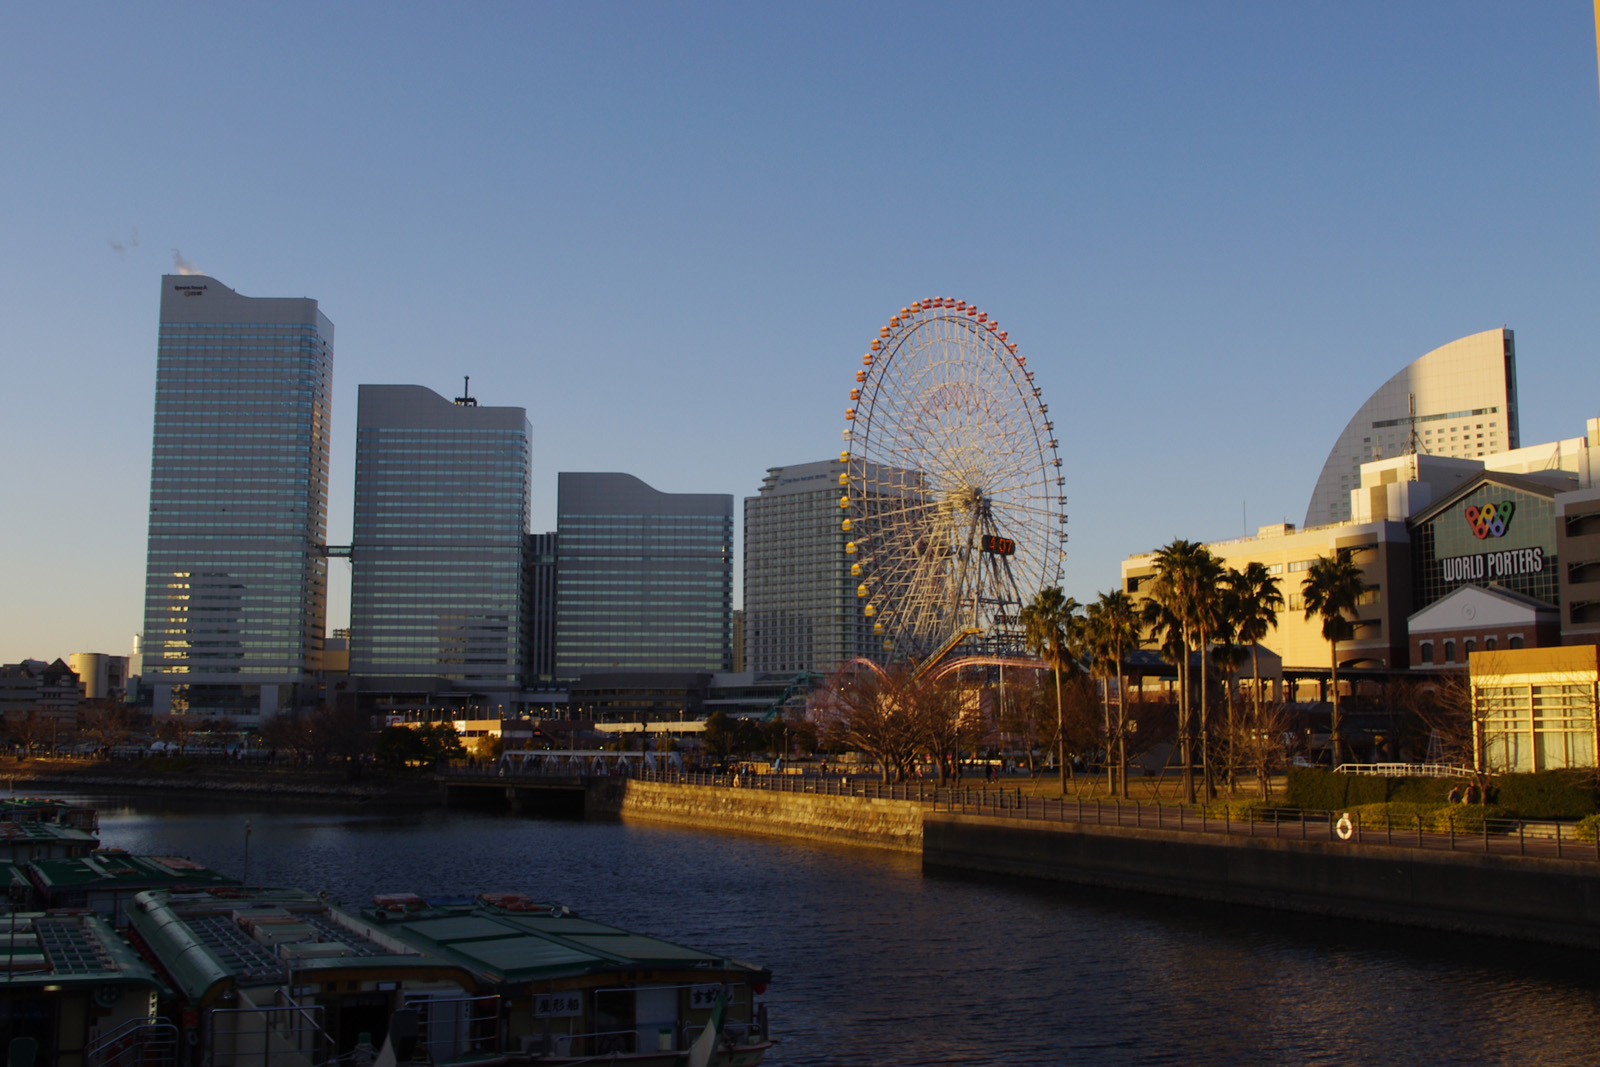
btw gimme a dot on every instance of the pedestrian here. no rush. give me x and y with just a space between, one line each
1455 795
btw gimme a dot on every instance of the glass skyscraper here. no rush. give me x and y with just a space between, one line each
644 579
800 607
439 587
235 580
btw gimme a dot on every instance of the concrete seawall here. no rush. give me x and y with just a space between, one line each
1550 901
891 824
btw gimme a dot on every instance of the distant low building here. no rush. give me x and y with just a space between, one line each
50 689
104 677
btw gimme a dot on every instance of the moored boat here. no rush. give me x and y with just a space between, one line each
573 990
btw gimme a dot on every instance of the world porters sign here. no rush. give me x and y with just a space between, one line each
1492 566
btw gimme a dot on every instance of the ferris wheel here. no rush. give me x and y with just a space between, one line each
952 485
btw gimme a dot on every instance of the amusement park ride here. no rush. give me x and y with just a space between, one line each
953 501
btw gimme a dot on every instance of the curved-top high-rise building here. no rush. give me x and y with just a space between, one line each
1466 407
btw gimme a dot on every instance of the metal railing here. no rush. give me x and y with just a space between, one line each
1405 770
1452 830
137 1043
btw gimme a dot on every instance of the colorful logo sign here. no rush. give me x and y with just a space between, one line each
1490 520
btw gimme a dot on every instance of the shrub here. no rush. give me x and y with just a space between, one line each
1425 791
1588 827
1365 789
1547 794
1317 790
1239 808
1435 818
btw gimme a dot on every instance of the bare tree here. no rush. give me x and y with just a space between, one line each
941 716
107 723
1257 742
1027 715
27 729
1455 724
863 709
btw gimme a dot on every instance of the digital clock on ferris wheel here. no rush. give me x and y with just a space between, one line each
999 546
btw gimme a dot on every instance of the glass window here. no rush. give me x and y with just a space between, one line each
1427 651
1449 651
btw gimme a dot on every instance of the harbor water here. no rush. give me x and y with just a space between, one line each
875 962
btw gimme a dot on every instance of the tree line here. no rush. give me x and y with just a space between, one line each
1197 612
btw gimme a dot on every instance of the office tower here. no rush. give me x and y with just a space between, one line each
542 607
437 597
644 579
235 581
1465 396
800 608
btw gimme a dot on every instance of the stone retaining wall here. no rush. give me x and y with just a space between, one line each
892 824
1545 900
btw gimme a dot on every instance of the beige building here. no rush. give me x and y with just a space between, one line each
1382 550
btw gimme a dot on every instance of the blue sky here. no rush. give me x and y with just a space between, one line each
668 231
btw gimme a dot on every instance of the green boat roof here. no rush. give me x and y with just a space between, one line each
530 942
115 870
39 949
44 831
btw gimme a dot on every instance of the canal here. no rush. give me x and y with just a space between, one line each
876 963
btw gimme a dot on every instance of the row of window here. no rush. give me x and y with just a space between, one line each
1469 645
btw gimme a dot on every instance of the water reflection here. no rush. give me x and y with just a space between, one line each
876 963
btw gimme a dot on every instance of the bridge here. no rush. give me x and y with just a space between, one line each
552 781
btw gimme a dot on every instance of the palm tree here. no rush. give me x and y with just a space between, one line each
1332 589
1211 623
1112 629
1049 627
1256 603
1183 597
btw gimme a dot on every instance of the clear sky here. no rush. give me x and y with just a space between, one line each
668 230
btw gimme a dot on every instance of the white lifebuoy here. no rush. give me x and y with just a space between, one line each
1344 827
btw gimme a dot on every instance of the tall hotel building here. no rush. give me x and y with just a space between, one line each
235 579
437 599
800 607
1466 407
644 579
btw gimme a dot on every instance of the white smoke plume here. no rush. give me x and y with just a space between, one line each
181 265
121 249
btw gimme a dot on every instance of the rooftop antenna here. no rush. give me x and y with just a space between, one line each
466 399
1414 444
